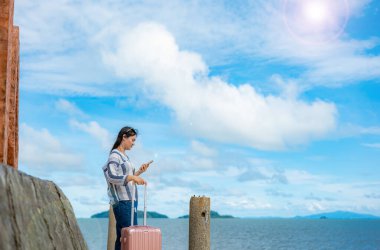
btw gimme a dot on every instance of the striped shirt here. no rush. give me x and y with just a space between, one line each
116 172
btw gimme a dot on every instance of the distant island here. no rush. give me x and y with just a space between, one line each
140 214
338 215
213 214
155 215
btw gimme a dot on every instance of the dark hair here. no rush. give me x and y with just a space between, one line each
127 131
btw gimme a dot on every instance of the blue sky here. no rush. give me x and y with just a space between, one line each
271 108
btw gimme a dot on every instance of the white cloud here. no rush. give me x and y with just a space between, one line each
200 163
210 107
277 193
350 130
253 29
94 129
70 179
172 201
262 173
202 149
69 108
90 200
372 145
260 162
372 196
296 176
335 62
268 197
61 44
315 207
41 151
346 68
248 204
170 160
369 130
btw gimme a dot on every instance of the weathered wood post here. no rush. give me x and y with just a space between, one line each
9 82
111 230
199 223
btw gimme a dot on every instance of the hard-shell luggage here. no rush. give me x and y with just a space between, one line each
140 237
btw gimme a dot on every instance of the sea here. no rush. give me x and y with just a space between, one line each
238 234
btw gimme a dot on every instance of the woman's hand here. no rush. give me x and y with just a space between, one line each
144 167
138 180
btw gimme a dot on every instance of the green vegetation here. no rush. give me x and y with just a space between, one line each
140 214
213 214
150 214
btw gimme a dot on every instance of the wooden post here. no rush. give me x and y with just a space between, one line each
9 81
6 16
111 230
199 223
12 155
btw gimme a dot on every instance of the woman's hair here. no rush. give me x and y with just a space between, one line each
127 131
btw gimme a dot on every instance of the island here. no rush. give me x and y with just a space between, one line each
140 214
213 214
346 215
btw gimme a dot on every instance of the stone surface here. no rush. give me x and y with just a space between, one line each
9 81
35 214
199 223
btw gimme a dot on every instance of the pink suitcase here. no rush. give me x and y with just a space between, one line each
140 237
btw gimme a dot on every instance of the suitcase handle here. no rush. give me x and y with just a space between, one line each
133 204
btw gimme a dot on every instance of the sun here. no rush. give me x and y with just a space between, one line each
315 21
315 11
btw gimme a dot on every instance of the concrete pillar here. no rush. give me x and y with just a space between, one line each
111 230
199 223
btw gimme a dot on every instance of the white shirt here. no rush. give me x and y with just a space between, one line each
116 172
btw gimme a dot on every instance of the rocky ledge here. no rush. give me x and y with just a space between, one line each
35 214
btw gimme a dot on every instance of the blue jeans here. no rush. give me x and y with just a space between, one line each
122 211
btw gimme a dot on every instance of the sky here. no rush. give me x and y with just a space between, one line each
270 108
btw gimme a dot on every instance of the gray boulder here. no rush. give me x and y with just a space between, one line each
35 214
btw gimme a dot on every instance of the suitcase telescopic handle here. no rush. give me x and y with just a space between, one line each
133 203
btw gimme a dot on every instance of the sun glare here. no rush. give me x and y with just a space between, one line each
315 21
315 11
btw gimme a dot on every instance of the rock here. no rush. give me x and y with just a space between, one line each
35 214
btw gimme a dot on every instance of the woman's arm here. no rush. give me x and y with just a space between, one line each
138 180
111 173
122 179
143 168
113 177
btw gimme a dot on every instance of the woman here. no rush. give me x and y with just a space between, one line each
121 178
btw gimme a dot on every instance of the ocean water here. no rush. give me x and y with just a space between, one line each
276 234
